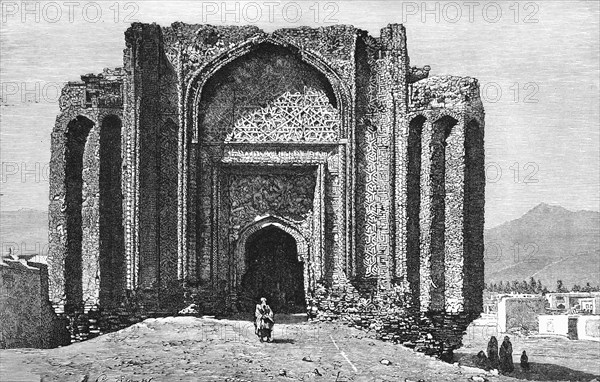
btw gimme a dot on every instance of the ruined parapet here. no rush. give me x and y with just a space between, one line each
28 319
449 92
82 197
418 73
102 90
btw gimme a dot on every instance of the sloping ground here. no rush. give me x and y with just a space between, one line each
550 358
204 349
194 349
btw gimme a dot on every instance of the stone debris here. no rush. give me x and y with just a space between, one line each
386 362
478 378
190 310
468 369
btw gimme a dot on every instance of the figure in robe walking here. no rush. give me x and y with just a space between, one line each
263 323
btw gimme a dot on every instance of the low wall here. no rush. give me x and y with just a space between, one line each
90 323
520 313
588 328
554 325
27 319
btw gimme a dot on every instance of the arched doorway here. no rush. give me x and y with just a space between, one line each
274 271
77 133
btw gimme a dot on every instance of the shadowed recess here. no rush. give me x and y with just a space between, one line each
77 132
112 244
273 271
413 257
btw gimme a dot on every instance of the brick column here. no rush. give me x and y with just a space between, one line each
454 218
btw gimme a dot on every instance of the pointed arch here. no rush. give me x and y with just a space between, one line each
77 132
284 225
302 247
199 78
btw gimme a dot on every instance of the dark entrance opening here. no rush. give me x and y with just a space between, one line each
273 271
572 328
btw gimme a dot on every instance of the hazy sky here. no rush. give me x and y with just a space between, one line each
537 63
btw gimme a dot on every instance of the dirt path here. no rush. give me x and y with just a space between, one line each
204 349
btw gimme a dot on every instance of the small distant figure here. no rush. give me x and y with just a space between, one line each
492 353
263 324
506 361
524 361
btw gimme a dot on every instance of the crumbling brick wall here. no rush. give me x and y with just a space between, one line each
27 318
85 194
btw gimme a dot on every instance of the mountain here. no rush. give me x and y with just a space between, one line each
548 243
26 230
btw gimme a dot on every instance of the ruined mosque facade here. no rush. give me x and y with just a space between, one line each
316 167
